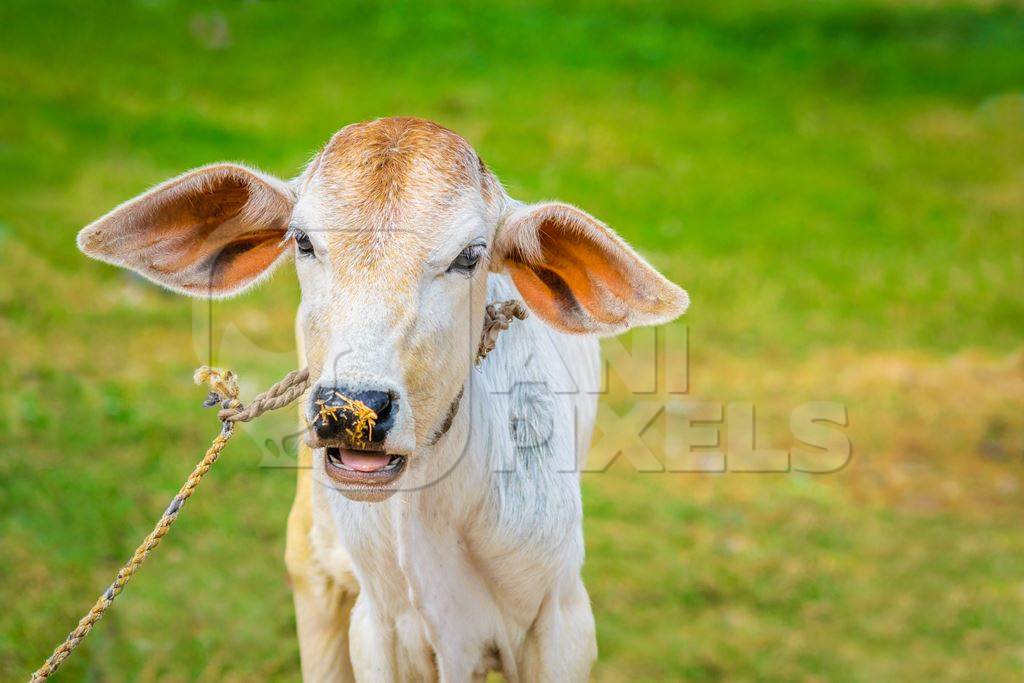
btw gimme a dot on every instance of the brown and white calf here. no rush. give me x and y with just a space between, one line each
448 543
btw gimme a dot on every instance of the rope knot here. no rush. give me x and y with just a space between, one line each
223 383
223 392
497 318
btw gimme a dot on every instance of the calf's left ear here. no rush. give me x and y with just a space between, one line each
578 275
213 231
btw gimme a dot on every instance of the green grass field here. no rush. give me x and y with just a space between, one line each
839 186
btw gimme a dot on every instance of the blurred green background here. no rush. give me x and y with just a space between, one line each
839 185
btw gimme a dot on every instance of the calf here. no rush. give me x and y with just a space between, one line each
441 538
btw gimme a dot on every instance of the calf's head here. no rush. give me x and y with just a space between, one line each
394 227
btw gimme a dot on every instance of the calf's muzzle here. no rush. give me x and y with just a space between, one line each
357 418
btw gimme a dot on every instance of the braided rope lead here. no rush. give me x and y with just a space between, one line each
224 391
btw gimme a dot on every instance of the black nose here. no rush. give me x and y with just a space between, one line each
355 417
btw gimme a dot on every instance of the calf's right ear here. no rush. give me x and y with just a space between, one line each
576 274
213 231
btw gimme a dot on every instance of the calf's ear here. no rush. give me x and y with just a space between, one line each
578 275
213 231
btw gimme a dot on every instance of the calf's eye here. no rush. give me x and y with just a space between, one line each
465 263
302 243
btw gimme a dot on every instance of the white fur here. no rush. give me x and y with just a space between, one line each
487 558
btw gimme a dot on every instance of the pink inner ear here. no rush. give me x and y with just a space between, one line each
201 238
243 260
577 280
211 231
183 223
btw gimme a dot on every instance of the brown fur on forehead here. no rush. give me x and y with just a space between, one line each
386 188
379 172
386 191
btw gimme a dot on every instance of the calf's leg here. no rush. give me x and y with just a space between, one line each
561 644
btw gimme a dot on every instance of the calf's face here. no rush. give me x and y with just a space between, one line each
394 227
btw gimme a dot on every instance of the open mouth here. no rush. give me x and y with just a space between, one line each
363 467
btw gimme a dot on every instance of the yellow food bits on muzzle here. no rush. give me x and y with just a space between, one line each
363 417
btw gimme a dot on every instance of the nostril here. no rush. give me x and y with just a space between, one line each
384 411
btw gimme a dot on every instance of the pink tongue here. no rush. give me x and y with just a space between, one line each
362 462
